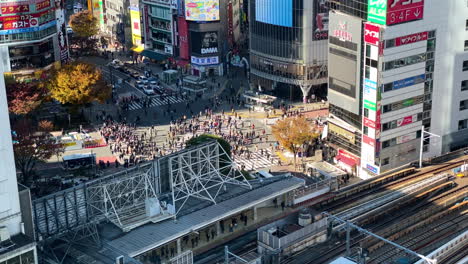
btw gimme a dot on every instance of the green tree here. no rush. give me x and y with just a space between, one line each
292 133
77 84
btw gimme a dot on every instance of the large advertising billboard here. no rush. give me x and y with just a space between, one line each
204 42
202 10
136 28
277 12
320 20
377 11
27 23
400 11
391 12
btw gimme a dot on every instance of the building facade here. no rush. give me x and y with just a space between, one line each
414 64
33 37
288 42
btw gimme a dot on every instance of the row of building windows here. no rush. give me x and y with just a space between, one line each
402 62
400 122
390 43
27 36
403 104
399 140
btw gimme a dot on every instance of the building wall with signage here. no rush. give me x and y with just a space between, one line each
417 74
344 60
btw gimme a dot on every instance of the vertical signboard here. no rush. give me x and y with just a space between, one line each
183 38
61 30
320 20
136 27
230 25
400 11
377 11
371 102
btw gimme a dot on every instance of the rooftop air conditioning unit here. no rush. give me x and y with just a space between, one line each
4 234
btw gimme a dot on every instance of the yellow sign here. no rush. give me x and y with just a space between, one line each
136 28
342 132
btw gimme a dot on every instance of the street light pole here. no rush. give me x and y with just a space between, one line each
431 135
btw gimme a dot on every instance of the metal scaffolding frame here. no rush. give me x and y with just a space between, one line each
123 198
202 173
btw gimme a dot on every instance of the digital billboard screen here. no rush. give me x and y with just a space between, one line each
275 12
202 10
204 42
320 20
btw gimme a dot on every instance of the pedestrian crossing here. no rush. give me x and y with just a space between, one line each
156 101
256 160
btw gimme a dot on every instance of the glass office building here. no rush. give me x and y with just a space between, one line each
288 47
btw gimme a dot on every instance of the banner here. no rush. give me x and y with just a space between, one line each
183 38
61 30
320 20
202 10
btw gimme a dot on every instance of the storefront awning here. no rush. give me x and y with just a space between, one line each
154 55
137 49
346 159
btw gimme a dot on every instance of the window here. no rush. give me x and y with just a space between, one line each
466 45
463 124
464 85
366 131
465 65
385 161
405 61
466 24
463 105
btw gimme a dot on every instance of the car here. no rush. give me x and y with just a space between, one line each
152 79
116 62
69 6
135 75
147 90
153 82
69 30
143 79
157 89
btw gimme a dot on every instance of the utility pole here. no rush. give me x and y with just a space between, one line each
430 135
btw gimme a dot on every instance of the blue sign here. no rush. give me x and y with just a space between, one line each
409 81
205 60
275 12
372 169
30 29
371 84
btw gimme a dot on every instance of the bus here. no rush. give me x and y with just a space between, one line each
77 161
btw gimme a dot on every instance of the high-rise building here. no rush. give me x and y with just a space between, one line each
288 46
32 37
409 74
15 246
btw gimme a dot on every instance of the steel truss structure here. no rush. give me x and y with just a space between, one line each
122 200
202 173
65 218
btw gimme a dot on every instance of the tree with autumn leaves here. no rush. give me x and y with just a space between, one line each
292 133
33 143
85 26
24 98
78 83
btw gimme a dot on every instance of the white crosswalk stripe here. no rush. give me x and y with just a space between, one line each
256 160
156 101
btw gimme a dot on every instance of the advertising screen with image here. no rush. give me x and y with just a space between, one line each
204 42
275 12
202 10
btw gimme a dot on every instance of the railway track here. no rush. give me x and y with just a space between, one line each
433 197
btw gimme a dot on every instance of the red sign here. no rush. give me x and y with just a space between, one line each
400 11
369 141
342 35
14 9
411 38
371 34
230 25
347 157
183 38
404 121
369 123
42 5
25 21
